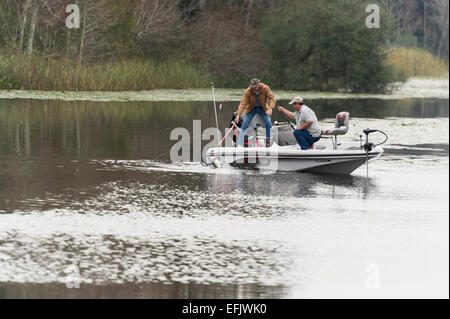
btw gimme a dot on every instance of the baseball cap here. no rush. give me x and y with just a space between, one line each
254 83
297 99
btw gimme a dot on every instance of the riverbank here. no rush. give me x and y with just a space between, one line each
413 88
43 73
39 72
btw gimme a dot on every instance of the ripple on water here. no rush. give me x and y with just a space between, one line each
109 259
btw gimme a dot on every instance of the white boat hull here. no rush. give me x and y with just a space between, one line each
346 158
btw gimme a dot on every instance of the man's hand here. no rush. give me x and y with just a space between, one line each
237 119
281 109
269 112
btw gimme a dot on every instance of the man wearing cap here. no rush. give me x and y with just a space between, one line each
258 99
307 131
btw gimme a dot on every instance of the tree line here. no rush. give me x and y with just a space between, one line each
295 44
422 23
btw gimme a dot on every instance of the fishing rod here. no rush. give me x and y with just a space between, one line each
288 120
231 128
215 110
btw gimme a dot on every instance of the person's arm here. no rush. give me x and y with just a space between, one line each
304 126
272 100
288 113
309 120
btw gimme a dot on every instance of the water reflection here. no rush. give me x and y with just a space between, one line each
144 290
107 258
80 185
124 130
104 186
286 184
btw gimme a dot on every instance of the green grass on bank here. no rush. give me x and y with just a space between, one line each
41 73
415 62
37 72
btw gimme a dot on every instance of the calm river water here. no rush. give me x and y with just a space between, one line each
88 196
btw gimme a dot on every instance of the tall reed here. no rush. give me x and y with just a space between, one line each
416 62
43 73
39 72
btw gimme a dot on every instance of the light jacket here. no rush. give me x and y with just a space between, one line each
266 97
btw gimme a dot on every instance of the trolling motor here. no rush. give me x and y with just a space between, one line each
370 146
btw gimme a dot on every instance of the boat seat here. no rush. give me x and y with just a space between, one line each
341 125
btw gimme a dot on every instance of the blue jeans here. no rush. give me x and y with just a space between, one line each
304 139
249 117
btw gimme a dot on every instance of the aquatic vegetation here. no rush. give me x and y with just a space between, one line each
415 62
45 73
413 88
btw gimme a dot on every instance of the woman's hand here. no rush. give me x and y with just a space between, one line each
269 112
